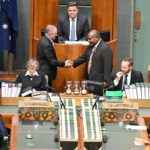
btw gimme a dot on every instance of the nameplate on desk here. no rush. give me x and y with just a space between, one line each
77 42
133 127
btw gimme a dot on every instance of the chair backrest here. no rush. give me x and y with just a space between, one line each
105 35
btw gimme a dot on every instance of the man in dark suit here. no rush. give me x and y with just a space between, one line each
46 55
72 21
98 59
126 76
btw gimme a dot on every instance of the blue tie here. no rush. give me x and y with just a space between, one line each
73 31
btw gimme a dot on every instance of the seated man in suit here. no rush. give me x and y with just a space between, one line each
126 76
72 27
32 77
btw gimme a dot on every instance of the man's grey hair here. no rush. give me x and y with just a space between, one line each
50 28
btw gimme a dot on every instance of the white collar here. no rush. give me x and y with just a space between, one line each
129 74
28 74
97 44
75 19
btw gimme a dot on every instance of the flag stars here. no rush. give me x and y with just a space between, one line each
5 26
5 0
10 37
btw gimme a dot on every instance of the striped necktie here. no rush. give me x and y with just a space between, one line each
90 59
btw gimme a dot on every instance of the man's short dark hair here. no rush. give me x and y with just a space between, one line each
130 60
73 3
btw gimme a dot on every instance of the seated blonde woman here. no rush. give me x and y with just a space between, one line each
32 77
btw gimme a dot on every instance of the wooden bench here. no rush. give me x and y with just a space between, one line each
11 122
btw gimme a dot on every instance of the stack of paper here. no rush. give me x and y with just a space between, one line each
10 89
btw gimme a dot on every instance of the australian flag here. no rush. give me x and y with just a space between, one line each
8 25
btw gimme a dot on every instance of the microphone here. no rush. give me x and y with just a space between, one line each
54 90
109 87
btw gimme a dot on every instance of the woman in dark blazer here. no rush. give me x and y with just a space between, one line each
32 77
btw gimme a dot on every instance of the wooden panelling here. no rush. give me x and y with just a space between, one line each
104 16
65 52
35 43
113 45
43 12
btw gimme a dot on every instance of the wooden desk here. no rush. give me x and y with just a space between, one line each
11 122
143 103
144 121
14 101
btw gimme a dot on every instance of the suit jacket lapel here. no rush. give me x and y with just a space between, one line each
67 25
132 77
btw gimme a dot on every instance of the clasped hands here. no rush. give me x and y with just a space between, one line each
68 63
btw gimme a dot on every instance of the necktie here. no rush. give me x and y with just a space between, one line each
90 59
125 80
73 31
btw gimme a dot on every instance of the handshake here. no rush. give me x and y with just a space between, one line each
68 63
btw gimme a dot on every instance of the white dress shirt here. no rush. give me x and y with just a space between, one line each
75 21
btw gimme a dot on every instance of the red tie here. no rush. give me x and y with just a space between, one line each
90 59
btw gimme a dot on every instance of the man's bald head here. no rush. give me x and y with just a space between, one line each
51 32
94 33
93 37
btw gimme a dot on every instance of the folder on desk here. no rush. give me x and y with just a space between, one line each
3 89
9 89
127 87
19 85
133 92
113 96
138 88
143 90
146 90
14 89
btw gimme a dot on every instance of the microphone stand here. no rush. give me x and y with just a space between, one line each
62 103
95 104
